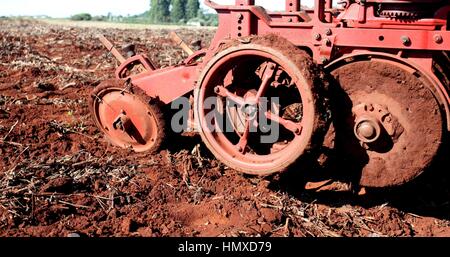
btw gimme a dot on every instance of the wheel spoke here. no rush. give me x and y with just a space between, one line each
295 128
224 92
243 142
266 78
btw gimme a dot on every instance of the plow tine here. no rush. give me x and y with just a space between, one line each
177 40
112 49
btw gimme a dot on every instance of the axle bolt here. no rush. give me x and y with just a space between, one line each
328 32
317 37
406 40
217 90
438 39
366 130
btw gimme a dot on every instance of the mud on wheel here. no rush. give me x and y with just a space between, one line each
254 79
388 124
127 117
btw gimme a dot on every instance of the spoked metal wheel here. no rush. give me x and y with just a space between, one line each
388 123
265 111
126 116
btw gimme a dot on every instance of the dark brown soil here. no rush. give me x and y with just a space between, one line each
59 176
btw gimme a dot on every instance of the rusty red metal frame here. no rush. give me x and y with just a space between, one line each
329 34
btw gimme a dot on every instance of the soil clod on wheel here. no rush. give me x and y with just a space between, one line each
388 123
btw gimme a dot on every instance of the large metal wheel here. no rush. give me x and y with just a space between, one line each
126 116
388 124
265 78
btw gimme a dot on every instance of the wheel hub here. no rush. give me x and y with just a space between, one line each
374 120
122 123
251 106
367 129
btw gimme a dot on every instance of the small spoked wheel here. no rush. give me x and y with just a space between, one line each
126 116
256 106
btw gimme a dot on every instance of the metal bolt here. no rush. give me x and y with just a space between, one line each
290 20
298 131
438 39
240 16
317 37
324 59
240 149
406 40
217 90
328 42
368 107
388 119
366 130
328 32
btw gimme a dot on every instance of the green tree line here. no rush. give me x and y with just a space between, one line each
162 11
175 11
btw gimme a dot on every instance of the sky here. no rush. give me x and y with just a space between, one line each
66 8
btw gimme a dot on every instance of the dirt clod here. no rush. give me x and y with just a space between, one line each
58 185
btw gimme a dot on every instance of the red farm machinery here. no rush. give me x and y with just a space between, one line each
364 80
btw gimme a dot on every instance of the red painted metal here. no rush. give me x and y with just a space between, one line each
355 27
126 66
408 34
167 84
328 33
293 6
245 2
126 119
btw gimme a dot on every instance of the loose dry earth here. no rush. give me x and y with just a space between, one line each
59 176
